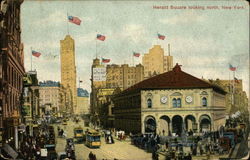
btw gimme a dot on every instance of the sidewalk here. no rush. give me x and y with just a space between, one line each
205 157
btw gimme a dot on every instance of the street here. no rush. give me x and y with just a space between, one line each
118 150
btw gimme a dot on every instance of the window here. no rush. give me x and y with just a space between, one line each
178 102
174 103
149 102
204 101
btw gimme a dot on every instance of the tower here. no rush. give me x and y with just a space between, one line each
68 71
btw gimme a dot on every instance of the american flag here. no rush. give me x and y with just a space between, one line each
136 54
160 36
74 20
232 68
105 60
100 37
36 54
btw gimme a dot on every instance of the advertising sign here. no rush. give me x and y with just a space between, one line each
99 74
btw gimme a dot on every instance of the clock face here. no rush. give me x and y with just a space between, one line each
189 99
164 99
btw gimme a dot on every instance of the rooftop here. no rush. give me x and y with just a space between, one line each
82 92
175 79
49 84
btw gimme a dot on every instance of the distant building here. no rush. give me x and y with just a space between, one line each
168 103
123 76
50 95
155 62
105 107
105 79
68 69
82 102
236 99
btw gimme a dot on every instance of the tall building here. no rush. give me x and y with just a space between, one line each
50 93
82 101
155 62
11 71
123 76
98 80
68 69
168 103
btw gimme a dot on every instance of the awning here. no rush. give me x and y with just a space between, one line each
10 151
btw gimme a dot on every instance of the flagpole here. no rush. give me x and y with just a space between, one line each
31 59
79 82
96 45
233 87
67 23
133 59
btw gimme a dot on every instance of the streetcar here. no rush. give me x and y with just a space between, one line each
93 139
79 135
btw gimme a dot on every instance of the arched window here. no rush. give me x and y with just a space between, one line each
178 102
204 101
149 102
174 103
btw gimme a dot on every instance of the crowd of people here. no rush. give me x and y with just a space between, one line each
32 146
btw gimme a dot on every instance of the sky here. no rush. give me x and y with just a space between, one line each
204 41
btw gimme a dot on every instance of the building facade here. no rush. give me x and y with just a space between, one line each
106 79
123 76
155 62
82 102
68 69
50 94
170 103
30 108
11 71
236 99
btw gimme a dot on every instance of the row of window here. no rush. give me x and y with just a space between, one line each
176 102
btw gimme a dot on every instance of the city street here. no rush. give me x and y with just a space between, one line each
118 150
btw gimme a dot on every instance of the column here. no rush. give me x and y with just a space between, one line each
16 137
170 127
198 127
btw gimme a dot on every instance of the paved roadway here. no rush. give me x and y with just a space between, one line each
119 150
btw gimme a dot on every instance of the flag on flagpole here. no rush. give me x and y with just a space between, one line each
105 60
100 37
236 80
36 54
232 68
136 54
160 36
74 20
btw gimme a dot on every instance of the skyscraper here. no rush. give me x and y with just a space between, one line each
155 62
68 70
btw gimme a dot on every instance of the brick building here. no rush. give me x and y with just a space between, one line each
11 71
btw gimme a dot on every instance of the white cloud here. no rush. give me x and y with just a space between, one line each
57 18
85 39
189 17
134 32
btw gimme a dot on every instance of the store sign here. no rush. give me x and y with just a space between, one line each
99 74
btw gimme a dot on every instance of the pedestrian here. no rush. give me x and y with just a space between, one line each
166 144
94 157
163 132
91 155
